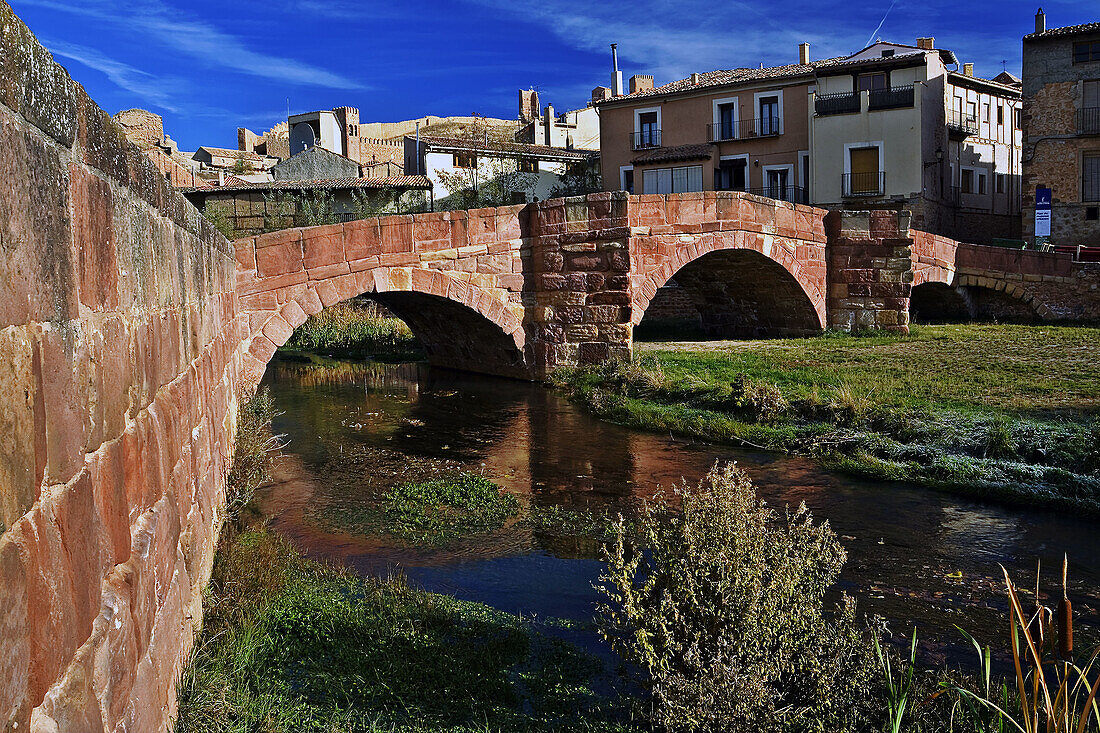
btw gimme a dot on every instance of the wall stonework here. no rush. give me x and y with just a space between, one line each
119 337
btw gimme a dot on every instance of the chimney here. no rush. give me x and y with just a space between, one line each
1040 21
968 69
803 53
641 83
694 79
617 76
926 44
600 93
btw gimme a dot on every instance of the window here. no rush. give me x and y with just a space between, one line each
985 113
1000 114
1000 183
887 54
864 177
972 110
649 131
519 197
1086 51
731 175
528 165
769 115
871 82
626 179
967 180
673 180
1090 91
727 119
465 160
1090 177
777 180
1018 118
981 183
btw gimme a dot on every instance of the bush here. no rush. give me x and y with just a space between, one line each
721 606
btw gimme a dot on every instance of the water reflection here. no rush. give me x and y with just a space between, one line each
356 429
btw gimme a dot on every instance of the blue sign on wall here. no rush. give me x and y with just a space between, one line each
1043 197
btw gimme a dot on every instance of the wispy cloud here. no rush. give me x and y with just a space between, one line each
200 40
151 89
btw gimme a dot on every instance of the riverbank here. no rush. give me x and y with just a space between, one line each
289 644
1009 412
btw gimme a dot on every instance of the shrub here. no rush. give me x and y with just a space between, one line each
721 605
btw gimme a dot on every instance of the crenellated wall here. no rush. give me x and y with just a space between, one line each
118 369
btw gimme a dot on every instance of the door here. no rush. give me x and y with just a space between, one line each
769 116
864 171
650 134
731 175
727 117
777 183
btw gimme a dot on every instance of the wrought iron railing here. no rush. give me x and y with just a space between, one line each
1088 121
843 103
743 129
646 139
893 98
962 122
794 194
863 184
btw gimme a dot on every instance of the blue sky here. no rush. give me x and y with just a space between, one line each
209 67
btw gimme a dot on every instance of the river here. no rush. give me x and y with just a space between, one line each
915 556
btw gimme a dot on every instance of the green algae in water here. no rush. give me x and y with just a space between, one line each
449 507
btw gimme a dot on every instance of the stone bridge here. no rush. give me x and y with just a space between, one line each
130 329
521 290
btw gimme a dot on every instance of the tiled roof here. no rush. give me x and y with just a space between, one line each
494 146
227 153
1069 30
723 77
325 184
694 151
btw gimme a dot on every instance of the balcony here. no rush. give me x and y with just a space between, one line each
863 184
962 124
793 194
845 103
1088 121
743 129
893 98
645 140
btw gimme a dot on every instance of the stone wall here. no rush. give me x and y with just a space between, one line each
117 405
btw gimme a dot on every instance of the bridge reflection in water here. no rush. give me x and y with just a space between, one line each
355 429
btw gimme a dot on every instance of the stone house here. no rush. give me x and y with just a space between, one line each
316 163
578 128
1061 122
229 161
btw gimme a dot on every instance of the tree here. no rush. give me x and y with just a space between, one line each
493 176
579 179
240 164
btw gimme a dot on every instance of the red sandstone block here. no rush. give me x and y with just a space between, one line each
92 227
325 272
457 290
326 291
399 259
56 358
278 330
362 239
430 229
421 280
508 226
279 259
347 286
323 245
366 263
244 252
498 264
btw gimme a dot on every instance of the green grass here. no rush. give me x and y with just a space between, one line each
993 411
354 328
1017 370
294 645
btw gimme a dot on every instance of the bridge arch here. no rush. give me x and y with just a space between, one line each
951 297
743 285
459 324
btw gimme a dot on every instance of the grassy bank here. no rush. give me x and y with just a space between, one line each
354 329
1004 411
293 645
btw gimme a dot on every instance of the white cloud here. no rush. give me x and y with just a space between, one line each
152 89
198 39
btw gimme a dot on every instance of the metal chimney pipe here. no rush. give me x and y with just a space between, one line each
617 76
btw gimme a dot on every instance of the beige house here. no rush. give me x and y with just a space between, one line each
738 129
893 126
